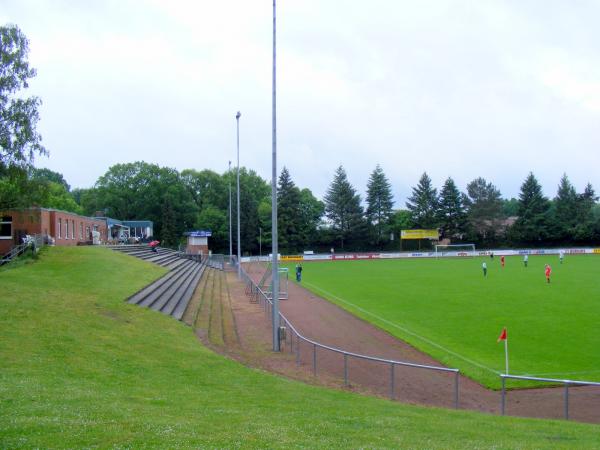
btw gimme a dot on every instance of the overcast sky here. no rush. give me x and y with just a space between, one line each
455 88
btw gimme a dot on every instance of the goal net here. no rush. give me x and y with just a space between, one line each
463 250
265 283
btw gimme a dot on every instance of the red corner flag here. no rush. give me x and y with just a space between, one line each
502 336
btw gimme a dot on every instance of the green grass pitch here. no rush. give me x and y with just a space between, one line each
447 308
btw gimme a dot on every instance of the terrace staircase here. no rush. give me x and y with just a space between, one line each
172 293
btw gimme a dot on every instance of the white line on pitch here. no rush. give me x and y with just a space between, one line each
403 329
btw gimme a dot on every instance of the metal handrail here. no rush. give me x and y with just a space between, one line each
315 344
37 242
552 380
567 383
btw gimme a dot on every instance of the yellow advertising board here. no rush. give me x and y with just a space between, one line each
292 257
420 234
597 250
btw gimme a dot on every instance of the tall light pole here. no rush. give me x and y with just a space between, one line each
230 243
274 264
239 245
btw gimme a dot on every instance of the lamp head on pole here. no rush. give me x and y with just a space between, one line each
238 115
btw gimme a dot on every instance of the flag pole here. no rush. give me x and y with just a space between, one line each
504 337
506 353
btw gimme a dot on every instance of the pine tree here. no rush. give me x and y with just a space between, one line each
379 204
343 209
451 212
565 210
484 210
584 229
532 224
288 214
423 204
311 212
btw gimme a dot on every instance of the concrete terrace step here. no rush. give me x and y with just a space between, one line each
183 294
140 296
163 259
182 306
128 248
172 265
174 290
157 289
172 293
148 254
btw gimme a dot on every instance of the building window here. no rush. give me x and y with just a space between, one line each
59 234
81 231
72 229
67 229
5 227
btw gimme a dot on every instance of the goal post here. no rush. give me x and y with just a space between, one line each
462 250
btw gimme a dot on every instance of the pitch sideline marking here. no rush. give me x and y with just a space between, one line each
404 329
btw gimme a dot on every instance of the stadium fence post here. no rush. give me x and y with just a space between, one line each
392 381
345 369
456 389
315 360
503 403
566 401
297 350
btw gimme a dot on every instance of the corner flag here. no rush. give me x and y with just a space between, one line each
504 337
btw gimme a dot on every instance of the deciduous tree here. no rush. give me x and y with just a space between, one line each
19 138
484 210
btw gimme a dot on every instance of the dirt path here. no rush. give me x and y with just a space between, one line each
328 324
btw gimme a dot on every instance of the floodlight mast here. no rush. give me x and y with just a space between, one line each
239 245
275 246
230 242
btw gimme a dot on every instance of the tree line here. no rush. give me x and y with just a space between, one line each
182 201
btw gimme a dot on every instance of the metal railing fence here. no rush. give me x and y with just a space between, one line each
257 295
216 261
566 384
35 242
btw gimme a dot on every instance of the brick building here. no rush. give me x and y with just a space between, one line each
197 242
64 227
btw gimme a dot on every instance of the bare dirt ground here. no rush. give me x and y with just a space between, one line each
319 320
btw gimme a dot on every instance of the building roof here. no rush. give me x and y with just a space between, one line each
138 223
198 233
39 208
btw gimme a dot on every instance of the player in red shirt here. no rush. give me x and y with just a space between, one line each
502 260
548 271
